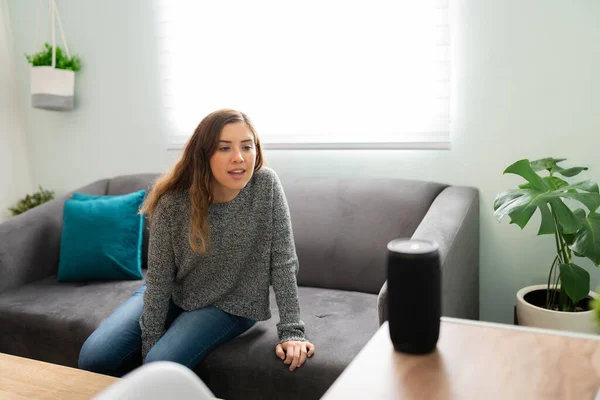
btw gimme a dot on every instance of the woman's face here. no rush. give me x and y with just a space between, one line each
232 164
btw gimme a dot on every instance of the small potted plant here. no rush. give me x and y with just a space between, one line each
565 301
53 78
31 201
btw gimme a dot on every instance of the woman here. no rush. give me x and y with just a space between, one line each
220 234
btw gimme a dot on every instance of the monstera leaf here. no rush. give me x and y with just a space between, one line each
575 281
549 164
586 242
546 195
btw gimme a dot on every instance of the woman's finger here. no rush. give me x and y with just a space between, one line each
296 351
302 355
311 349
289 354
279 351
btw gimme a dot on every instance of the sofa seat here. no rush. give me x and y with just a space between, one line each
49 320
339 323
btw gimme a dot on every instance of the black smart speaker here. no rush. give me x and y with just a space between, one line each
414 295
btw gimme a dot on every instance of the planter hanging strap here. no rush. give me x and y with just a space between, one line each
54 15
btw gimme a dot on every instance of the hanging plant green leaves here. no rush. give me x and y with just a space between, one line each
44 58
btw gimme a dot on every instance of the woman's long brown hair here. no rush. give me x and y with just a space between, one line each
192 171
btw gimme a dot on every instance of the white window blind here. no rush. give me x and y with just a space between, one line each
310 74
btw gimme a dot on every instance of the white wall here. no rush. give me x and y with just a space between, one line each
15 180
526 85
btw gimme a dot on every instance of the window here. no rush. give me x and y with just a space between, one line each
310 74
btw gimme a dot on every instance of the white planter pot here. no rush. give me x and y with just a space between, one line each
52 88
534 316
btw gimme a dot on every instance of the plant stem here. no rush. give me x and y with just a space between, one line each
556 233
567 304
549 278
561 253
555 290
561 244
569 255
562 248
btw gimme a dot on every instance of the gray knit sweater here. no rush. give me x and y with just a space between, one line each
251 247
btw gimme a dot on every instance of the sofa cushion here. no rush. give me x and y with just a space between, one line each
130 183
49 321
339 324
102 238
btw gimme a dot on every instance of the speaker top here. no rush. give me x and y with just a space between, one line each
412 246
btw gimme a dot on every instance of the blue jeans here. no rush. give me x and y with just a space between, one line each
115 348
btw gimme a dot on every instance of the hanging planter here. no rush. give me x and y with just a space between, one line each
52 75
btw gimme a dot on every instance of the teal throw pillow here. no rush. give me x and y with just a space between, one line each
102 238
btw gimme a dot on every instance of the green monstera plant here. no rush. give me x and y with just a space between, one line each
576 232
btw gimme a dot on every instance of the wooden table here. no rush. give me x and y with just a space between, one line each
476 360
22 378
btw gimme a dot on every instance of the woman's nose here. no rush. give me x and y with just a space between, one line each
237 156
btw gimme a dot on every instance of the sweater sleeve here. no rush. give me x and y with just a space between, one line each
284 268
159 279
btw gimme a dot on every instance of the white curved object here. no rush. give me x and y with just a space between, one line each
530 315
158 380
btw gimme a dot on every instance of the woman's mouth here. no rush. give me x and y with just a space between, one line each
237 173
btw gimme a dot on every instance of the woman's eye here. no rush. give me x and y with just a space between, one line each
247 147
224 148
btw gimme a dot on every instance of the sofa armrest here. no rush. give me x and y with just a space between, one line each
453 222
30 242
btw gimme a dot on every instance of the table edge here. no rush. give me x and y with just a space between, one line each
529 329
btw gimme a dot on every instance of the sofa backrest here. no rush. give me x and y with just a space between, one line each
341 226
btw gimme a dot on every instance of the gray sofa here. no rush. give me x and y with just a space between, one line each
341 228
